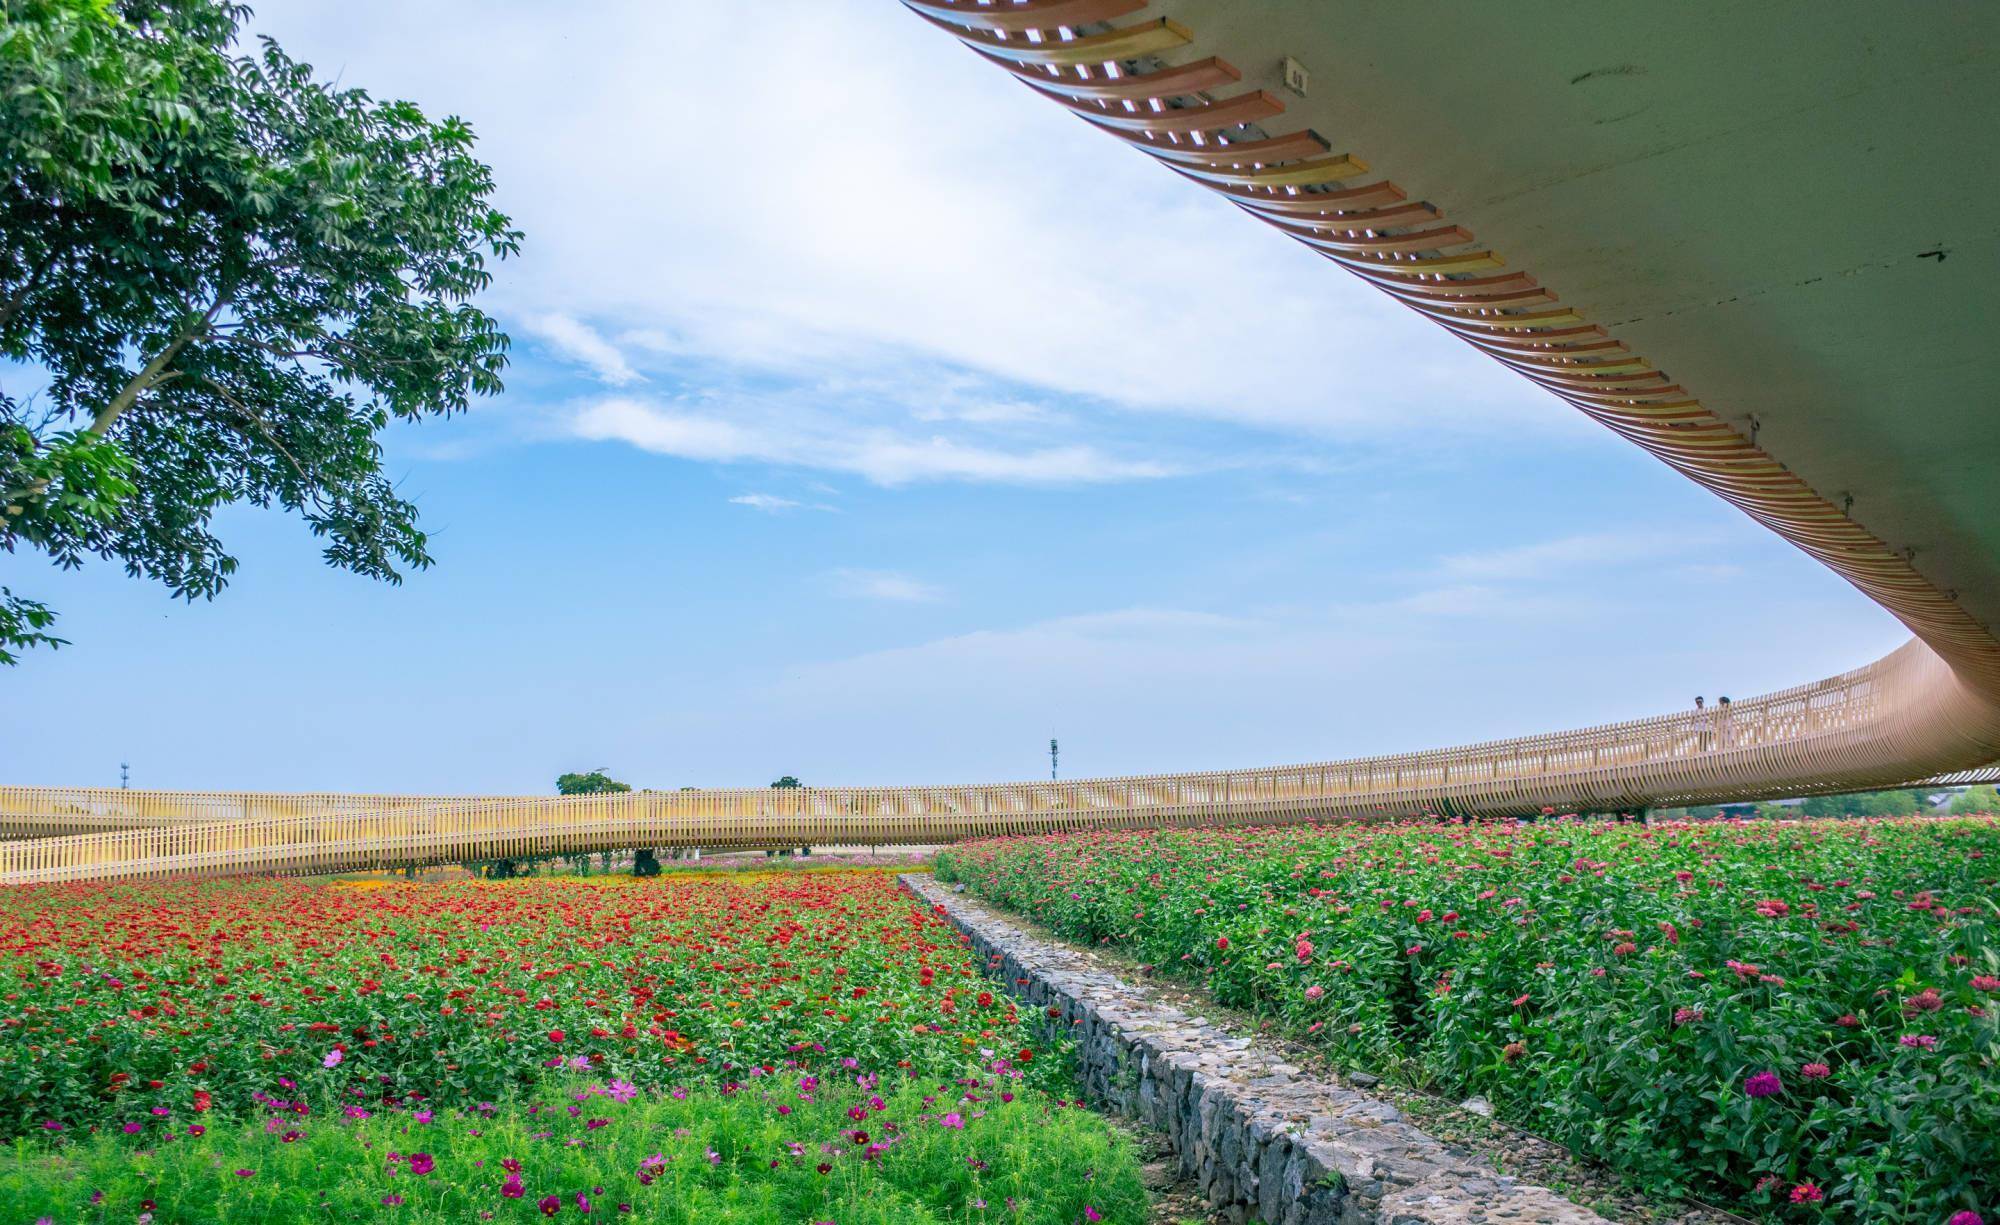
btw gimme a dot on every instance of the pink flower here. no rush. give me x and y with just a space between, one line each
244 1173
513 1187
1815 1071
1966 1218
1983 982
954 1119
1919 1041
1764 1084
1315 991
333 1058
1091 1214
421 1163
1807 1193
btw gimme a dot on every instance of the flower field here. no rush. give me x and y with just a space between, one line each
799 1046
1801 1020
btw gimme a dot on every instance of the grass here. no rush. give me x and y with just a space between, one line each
780 1148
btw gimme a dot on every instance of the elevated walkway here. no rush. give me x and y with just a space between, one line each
1900 718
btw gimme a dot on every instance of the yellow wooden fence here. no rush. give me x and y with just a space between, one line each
1904 717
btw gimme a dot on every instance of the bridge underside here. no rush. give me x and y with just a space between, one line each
1789 203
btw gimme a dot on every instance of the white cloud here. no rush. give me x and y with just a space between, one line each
887 585
881 455
1594 550
768 503
579 342
889 194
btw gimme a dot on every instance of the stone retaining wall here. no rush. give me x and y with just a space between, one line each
1265 1141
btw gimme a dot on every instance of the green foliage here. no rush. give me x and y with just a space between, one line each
1983 798
24 623
1612 986
597 782
703 1157
227 279
788 781
1894 803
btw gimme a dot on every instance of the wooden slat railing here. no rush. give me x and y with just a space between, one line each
1903 717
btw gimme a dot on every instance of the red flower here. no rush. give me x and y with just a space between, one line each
555 1035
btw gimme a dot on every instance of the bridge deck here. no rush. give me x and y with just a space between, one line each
1900 718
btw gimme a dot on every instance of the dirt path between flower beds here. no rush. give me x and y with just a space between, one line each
1265 1128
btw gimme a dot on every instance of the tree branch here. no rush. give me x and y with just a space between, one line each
101 424
15 502
251 415
19 297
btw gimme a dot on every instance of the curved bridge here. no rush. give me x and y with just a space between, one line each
1902 716
1785 203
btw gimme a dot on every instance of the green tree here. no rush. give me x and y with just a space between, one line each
1891 803
1983 798
788 781
594 783
220 280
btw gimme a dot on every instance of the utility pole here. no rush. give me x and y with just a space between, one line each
124 776
1052 759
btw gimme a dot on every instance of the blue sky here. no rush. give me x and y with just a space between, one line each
873 421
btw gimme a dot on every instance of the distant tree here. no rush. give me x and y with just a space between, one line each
1895 802
226 279
788 781
594 783
1983 798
